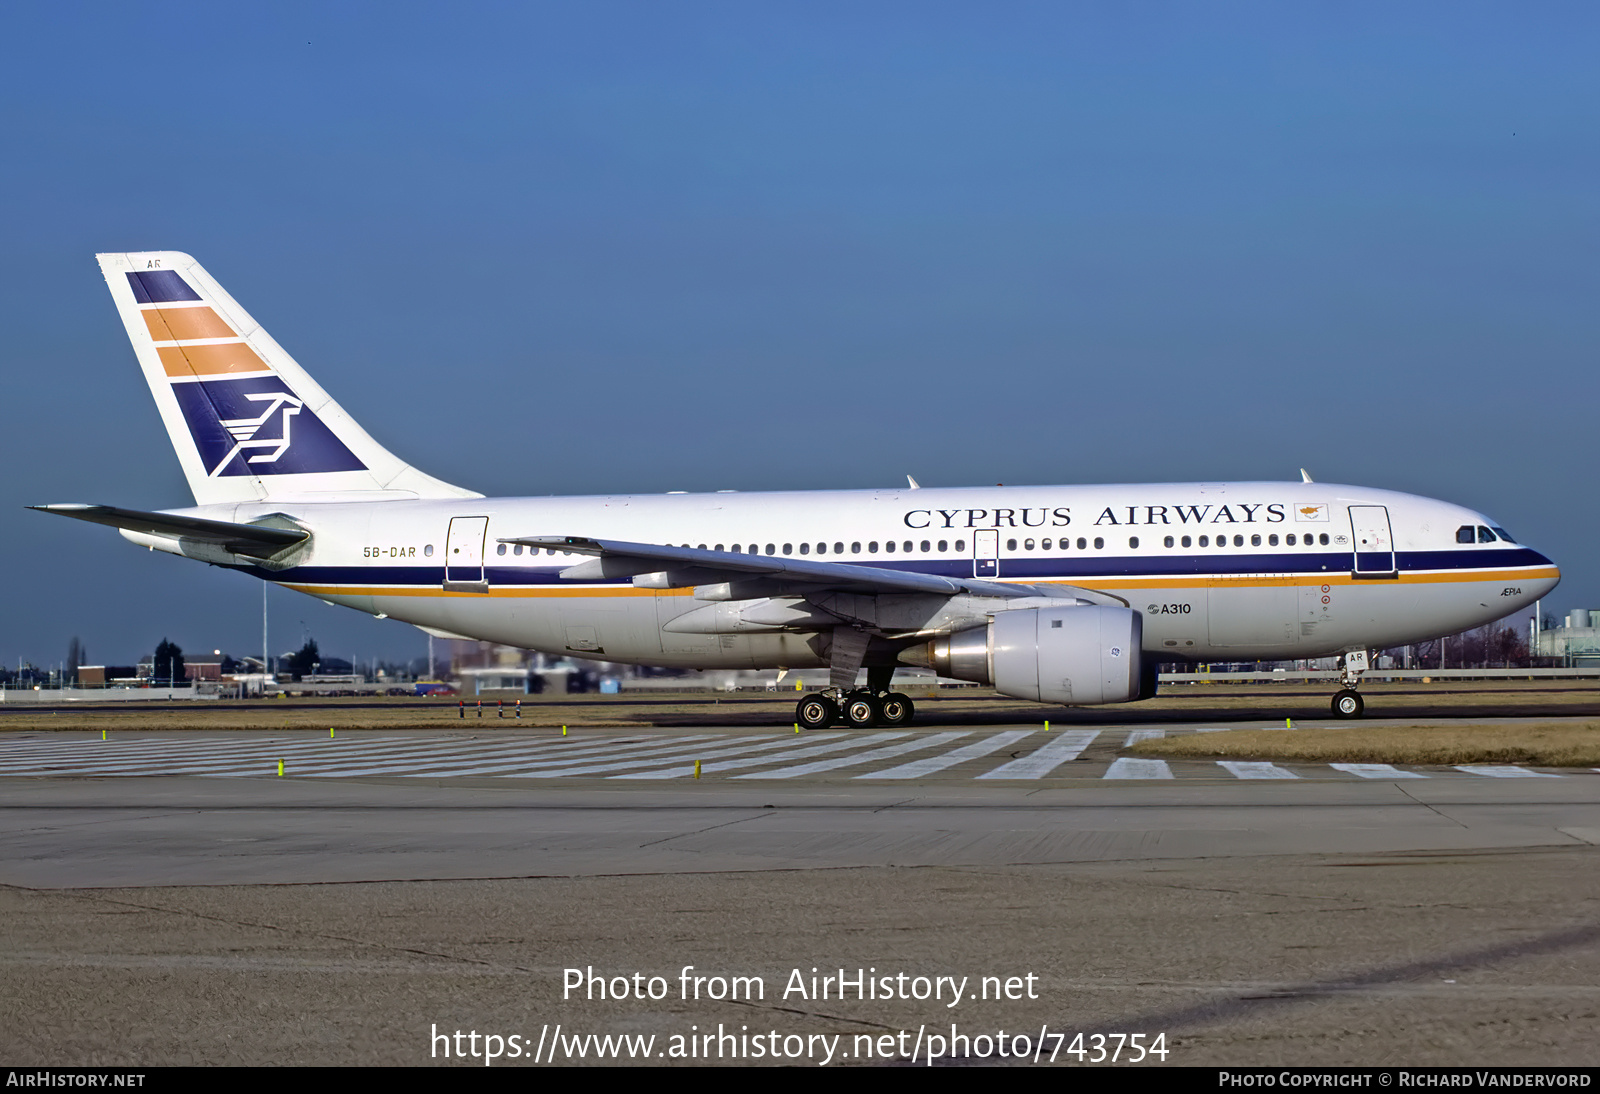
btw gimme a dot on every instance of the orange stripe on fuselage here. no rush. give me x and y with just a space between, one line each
178 324
1196 581
183 361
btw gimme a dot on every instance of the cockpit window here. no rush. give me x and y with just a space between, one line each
1505 535
1484 535
1466 534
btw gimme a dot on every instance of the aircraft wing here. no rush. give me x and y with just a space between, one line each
254 540
677 567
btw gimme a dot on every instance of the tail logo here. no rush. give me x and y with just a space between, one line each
244 430
257 426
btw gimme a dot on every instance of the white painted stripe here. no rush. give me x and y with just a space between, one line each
1143 735
234 751
917 768
491 760
692 752
729 746
1377 771
1130 768
1068 746
1504 771
862 758
312 754
805 752
1212 729
1255 769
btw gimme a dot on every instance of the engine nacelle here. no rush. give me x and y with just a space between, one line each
1081 656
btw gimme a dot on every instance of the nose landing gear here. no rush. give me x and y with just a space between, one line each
1346 702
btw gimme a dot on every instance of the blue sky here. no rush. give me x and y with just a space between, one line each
552 249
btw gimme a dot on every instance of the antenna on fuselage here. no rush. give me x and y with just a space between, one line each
915 485
1305 476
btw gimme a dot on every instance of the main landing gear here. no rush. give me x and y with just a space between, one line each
860 709
1346 702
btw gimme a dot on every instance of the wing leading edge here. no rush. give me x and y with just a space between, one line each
662 566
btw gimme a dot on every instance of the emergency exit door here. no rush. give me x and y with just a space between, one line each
986 552
463 554
1374 541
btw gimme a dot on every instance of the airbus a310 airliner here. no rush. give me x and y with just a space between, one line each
1059 594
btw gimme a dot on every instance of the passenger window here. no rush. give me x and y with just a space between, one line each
718 547
787 549
805 548
872 548
1324 539
427 553
500 549
1465 534
943 545
926 547
1238 541
1011 545
888 545
908 547
855 548
1133 542
1099 544
1255 541
1185 541
1082 543
1289 539
1167 542
517 550
961 545
838 548
1045 544
772 549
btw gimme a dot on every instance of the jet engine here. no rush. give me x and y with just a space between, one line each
1083 656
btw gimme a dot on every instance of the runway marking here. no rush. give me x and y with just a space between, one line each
1504 771
1129 768
850 761
1212 729
689 752
917 768
1377 771
1255 769
485 763
1068 746
781 757
1138 735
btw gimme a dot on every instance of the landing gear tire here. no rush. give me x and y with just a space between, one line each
895 709
860 711
816 712
1347 704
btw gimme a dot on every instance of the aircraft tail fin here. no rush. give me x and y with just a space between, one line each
248 423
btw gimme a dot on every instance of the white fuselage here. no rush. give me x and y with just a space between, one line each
1229 571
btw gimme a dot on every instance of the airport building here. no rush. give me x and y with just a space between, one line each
1575 645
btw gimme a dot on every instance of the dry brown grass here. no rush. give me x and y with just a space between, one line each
1547 744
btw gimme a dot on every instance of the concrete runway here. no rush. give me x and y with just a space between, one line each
1324 919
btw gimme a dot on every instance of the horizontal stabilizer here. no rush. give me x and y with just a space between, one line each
254 540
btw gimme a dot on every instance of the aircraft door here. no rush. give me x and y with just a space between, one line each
463 554
986 552
1374 542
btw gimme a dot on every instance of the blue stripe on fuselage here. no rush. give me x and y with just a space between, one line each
1082 568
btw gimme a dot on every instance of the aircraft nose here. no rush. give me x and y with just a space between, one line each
1545 582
